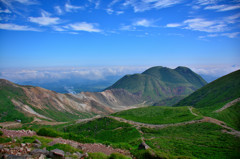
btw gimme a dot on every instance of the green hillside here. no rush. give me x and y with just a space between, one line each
159 83
8 112
157 115
215 94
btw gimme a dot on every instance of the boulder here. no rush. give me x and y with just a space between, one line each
39 152
37 141
56 153
143 146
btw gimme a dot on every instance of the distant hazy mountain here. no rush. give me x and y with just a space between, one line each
161 83
216 93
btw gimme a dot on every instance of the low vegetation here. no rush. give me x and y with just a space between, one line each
108 131
215 94
202 140
157 115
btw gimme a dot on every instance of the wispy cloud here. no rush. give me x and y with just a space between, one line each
71 8
144 23
200 24
222 8
83 26
143 5
207 2
173 25
58 10
229 35
9 26
45 19
5 11
26 2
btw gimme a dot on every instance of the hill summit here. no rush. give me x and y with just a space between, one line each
161 84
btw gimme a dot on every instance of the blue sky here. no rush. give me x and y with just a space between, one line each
45 33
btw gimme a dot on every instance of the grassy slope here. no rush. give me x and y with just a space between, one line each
231 116
215 94
157 115
106 130
8 112
202 140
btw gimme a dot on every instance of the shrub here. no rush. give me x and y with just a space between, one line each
48 132
118 156
1 133
97 155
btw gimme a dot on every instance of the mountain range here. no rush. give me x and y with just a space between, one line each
153 85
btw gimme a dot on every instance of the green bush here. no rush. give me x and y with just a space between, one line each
5 139
1 133
48 132
97 155
118 156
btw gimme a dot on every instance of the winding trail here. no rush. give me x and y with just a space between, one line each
228 105
228 129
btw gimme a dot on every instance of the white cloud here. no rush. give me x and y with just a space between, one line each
26 2
109 11
71 8
200 24
45 19
119 12
232 19
231 35
5 11
215 70
143 5
221 8
9 26
144 23
173 25
60 73
83 26
207 2
58 10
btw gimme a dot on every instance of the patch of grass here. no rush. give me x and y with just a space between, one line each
201 140
100 155
106 130
64 147
157 115
97 155
5 139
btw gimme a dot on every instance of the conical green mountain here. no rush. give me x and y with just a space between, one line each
216 93
161 83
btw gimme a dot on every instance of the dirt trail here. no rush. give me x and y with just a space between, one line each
205 119
10 124
190 109
228 105
95 147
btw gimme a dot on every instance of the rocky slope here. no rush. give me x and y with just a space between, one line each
161 83
16 100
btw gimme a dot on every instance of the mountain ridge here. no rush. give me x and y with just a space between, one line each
159 83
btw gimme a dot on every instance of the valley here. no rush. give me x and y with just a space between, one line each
117 123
